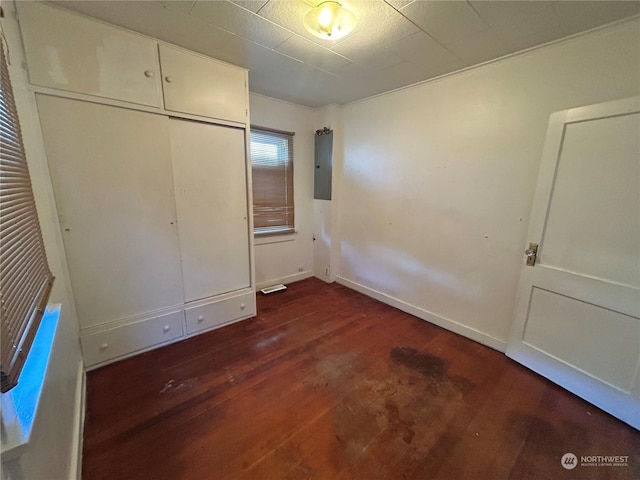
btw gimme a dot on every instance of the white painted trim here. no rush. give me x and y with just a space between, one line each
269 239
451 325
113 102
294 277
77 443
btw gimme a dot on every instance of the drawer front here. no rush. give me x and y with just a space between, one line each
220 312
116 342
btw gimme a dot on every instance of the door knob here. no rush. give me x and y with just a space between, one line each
531 253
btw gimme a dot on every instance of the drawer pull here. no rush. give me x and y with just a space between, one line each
168 79
242 306
148 73
200 319
166 328
104 346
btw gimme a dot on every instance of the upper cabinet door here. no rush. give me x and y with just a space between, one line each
73 53
203 86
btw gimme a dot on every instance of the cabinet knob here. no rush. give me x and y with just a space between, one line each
200 319
166 328
242 306
104 346
168 79
148 73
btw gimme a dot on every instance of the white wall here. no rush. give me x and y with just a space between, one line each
53 450
287 258
438 179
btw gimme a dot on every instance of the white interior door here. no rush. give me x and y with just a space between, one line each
577 320
209 168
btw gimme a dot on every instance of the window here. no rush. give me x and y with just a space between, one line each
25 277
272 171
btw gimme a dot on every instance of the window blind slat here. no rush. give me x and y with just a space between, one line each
18 309
25 277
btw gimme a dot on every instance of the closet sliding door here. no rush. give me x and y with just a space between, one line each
209 167
112 180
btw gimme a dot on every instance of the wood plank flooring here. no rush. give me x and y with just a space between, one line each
326 383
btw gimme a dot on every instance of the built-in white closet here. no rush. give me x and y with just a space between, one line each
147 148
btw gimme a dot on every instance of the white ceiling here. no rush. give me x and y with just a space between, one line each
395 43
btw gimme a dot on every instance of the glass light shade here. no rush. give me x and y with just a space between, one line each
329 21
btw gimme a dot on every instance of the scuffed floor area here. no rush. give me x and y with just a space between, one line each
327 383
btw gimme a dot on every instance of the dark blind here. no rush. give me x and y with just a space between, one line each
25 278
272 172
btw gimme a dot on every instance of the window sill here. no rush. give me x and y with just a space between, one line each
20 404
274 237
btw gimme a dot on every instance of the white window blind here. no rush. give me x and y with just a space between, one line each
25 277
272 171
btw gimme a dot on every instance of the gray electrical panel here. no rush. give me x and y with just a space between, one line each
323 160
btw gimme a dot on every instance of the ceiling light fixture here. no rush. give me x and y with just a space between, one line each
329 21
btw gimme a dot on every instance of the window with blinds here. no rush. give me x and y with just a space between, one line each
272 171
25 277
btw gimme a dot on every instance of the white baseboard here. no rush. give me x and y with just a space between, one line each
294 277
81 398
430 317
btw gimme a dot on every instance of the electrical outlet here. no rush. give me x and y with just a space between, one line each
300 268
326 271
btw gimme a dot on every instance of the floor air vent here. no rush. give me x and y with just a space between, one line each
274 289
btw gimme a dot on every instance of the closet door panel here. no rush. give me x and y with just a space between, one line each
203 86
111 174
74 53
211 200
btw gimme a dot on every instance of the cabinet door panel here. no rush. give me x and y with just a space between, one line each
73 53
211 201
202 86
111 174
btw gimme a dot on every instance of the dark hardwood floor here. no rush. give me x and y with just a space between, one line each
327 383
